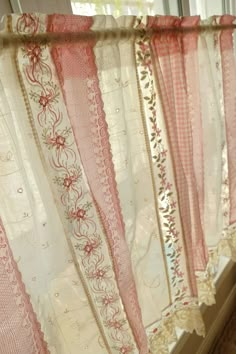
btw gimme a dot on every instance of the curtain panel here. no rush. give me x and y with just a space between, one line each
117 182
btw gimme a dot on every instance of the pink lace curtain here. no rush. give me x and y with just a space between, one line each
117 182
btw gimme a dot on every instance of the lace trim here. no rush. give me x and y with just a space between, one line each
187 318
190 319
205 281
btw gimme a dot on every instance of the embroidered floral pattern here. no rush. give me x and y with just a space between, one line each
75 201
96 156
166 201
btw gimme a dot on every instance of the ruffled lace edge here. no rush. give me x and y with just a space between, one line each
187 318
190 318
206 280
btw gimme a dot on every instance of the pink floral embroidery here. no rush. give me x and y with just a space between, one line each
108 299
68 182
100 273
44 100
59 141
27 23
88 248
80 214
159 159
61 154
116 324
98 165
171 218
34 53
126 350
168 186
163 153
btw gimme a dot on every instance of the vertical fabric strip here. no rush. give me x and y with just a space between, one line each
78 74
212 141
173 54
168 211
68 181
229 88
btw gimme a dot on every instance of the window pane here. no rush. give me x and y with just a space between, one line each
206 8
125 7
112 7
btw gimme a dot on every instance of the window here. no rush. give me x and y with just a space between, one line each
127 7
205 8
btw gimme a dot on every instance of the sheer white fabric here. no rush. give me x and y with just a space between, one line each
35 230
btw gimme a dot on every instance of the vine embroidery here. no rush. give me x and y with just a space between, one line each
167 204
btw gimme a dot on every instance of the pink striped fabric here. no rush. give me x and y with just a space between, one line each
229 87
176 58
76 68
20 331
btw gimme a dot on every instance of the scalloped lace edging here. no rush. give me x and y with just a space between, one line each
206 280
188 319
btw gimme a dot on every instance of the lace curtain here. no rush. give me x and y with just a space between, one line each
117 182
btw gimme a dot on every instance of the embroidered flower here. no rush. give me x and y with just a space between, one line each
34 53
67 182
70 180
178 273
168 186
163 153
144 47
126 349
156 130
60 141
176 262
44 100
171 218
27 24
174 232
88 248
80 214
99 274
76 214
162 168
163 182
107 300
116 324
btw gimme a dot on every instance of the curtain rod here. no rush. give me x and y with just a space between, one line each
108 34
